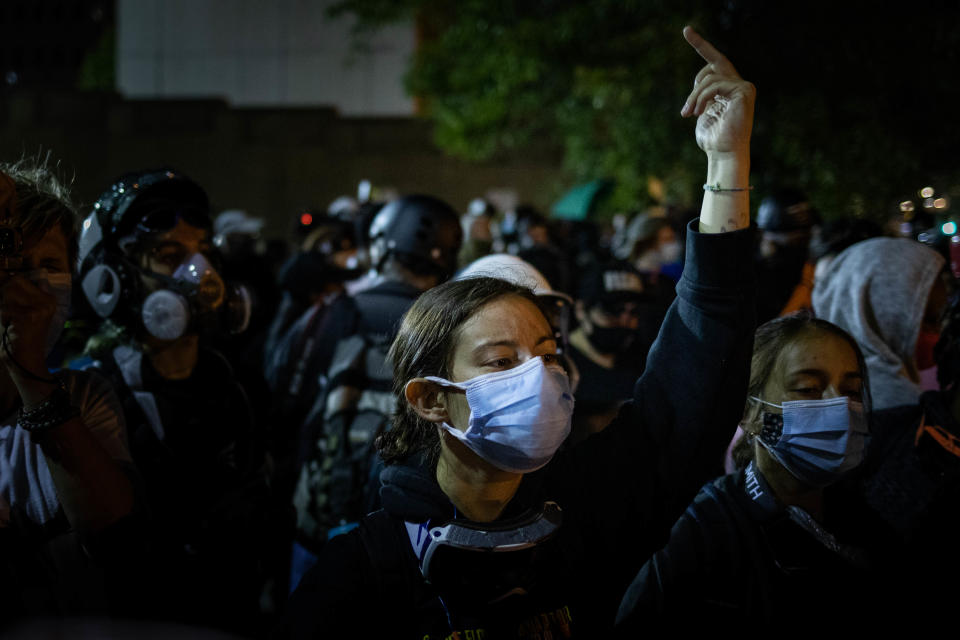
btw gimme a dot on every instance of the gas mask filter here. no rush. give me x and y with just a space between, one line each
195 295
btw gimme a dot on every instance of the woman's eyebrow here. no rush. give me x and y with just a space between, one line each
817 373
820 373
511 343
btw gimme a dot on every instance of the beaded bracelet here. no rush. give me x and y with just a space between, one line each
716 188
52 412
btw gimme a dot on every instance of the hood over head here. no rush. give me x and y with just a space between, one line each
877 291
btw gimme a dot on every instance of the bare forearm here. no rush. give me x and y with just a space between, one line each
723 211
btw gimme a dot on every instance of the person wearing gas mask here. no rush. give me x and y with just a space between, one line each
67 499
484 532
148 270
783 534
785 220
619 315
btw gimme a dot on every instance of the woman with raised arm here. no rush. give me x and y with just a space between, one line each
483 532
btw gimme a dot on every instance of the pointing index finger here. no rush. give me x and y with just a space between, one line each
706 50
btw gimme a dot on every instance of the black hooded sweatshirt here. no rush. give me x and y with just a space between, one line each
620 490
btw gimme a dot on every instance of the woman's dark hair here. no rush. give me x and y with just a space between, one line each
424 346
769 340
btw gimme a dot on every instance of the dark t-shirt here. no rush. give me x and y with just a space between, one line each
201 458
599 394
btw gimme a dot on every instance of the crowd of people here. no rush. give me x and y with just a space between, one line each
413 421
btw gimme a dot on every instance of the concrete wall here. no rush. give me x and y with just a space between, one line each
256 53
267 161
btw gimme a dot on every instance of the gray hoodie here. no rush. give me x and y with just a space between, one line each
877 291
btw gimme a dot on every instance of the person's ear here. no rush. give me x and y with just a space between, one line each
426 399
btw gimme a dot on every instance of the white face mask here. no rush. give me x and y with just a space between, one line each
817 441
59 284
518 417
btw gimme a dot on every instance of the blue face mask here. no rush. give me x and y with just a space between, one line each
816 440
518 417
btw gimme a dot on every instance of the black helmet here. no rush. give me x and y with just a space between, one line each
786 210
420 231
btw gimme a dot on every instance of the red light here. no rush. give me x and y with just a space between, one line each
306 219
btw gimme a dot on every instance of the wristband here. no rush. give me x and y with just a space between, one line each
52 412
717 188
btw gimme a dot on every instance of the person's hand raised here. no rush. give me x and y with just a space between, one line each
721 100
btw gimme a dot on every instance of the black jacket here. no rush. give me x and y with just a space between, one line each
620 490
738 556
912 480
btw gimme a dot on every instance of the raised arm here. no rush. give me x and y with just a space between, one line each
722 101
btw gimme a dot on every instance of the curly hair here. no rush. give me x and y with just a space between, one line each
43 200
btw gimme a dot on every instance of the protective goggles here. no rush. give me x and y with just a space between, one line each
485 562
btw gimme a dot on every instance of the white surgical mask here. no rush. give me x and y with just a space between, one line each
59 285
816 440
518 417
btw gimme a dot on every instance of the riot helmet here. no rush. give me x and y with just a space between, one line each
786 210
421 232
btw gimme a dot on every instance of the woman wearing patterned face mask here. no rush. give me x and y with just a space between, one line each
780 535
484 531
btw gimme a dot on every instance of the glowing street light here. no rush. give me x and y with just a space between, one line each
926 192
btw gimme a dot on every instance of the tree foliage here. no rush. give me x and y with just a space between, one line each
855 99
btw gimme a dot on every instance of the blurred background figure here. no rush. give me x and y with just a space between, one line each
785 221
324 261
478 230
413 246
537 246
654 247
618 316
238 238
831 237
362 220
913 476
